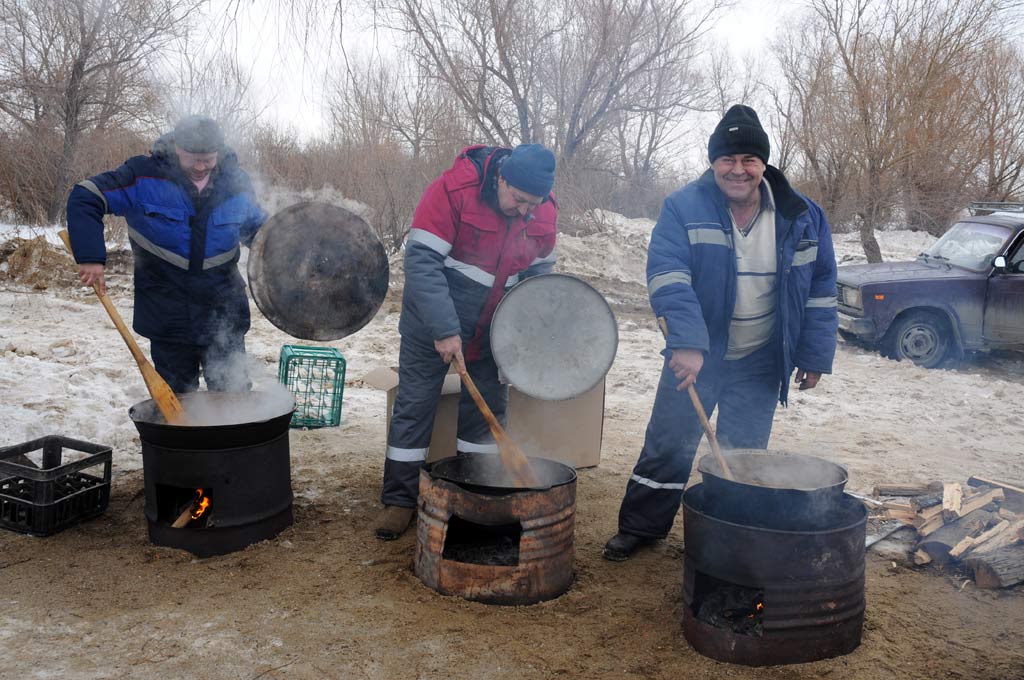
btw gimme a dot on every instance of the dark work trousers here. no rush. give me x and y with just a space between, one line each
223 364
744 390
421 373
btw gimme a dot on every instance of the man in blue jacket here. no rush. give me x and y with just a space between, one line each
742 279
188 206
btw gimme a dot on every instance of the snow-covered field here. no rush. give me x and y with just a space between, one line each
63 369
325 599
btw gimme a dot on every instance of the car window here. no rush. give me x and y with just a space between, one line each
1016 264
970 245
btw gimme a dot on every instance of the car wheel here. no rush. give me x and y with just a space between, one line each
921 337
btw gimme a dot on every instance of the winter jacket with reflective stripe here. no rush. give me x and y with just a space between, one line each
691 274
187 284
462 254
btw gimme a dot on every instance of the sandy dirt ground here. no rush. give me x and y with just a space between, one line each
326 600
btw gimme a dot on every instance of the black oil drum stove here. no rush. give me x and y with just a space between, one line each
242 469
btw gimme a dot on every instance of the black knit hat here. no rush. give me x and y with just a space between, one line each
198 134
739 132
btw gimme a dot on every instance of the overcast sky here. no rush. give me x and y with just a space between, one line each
291 82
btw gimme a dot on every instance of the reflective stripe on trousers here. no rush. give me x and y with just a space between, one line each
421 374
745 391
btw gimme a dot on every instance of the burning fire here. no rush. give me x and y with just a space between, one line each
200 504
757 610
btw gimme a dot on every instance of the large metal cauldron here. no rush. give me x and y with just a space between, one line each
236 451
482 539
806 586
773 490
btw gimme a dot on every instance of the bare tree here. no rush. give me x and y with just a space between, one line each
202 76
894 64
560 72
999 92
70 66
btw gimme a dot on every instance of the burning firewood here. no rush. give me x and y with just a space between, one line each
193 511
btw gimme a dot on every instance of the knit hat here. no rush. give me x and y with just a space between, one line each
530 168
739 132
198 134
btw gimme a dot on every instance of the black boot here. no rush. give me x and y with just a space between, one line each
621 546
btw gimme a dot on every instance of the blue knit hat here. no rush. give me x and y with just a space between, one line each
530 168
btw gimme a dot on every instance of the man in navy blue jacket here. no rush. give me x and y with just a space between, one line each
742 279
188 206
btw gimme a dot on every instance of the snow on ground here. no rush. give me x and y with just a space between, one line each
63 369
897 245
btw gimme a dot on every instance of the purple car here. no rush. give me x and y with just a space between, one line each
965 293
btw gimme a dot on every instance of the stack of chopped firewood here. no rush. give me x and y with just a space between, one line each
979 525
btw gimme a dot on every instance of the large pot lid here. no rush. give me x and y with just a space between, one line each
317 271
554 337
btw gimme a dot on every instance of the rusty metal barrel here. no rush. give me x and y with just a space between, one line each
496 545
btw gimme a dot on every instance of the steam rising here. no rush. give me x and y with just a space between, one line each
210 409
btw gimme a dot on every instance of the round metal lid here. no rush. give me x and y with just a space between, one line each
317 271
554 337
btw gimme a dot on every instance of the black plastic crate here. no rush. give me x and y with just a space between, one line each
42 500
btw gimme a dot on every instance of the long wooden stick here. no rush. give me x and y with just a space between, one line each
161 392
712 439
512 457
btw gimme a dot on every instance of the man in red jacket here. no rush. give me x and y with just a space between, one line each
485 224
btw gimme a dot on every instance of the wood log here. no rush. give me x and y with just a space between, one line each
960 548
1014 493
992 540
1000 568
930 500
905 515
184 518
940 542
952 498
1005 486
932 524
979 501
906 489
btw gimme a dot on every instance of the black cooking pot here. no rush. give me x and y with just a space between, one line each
773 490
217 420
485 473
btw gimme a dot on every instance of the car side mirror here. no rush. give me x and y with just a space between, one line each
999 263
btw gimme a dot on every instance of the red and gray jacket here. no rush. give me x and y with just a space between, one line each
462 254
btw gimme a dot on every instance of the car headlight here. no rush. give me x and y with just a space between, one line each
852 297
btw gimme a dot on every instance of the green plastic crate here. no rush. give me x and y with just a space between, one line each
316 378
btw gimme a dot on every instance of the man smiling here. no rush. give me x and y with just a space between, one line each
742 279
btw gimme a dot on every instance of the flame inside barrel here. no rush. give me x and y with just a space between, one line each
201 503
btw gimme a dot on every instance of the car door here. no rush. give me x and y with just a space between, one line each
1004 308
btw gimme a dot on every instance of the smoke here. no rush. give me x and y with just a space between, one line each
274 197
209 409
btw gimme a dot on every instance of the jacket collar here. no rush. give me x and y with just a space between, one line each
787 201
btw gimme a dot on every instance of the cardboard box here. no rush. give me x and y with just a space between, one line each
569 431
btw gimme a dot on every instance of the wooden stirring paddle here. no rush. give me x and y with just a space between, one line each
515 462
712 439
161 392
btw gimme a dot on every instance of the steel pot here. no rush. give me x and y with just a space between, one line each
484 473
773 490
